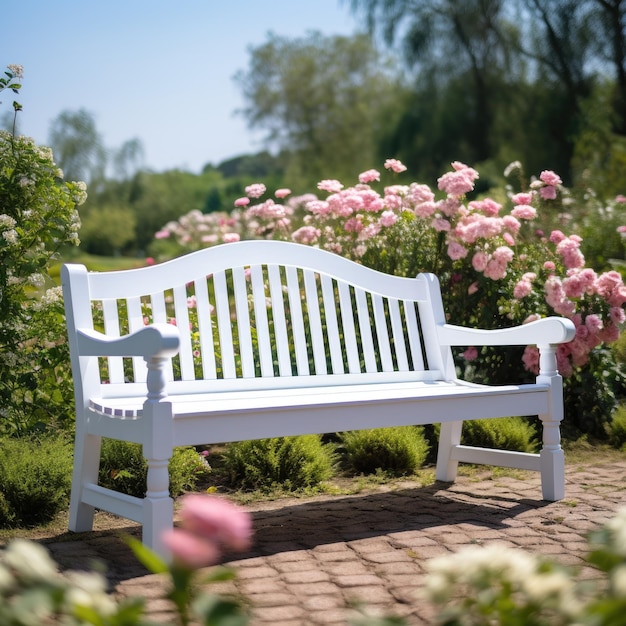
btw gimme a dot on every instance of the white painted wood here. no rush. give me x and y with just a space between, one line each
366 320
226 350
205 327
280 321
315 322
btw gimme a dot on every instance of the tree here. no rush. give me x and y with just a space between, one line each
445 42
324 100
77 146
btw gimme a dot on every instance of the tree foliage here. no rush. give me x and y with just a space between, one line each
323 99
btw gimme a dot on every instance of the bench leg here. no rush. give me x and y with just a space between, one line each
86 465
552 460
158 507
449 437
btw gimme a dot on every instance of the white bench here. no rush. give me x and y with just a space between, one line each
290 340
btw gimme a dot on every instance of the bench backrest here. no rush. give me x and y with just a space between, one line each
264 313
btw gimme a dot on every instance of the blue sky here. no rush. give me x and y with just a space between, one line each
159 70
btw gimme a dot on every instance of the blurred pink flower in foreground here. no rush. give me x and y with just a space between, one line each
209 526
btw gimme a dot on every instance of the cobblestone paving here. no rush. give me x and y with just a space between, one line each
313 559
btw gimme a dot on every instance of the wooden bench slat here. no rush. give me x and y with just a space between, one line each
181 313
297 322
332 326
315 322
227 354
279 320
135 322
205 328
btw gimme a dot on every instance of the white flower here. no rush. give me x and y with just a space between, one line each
618 580
617 527
541 587
88 589
6 221
512 167
16 70
6 579
30 560
10 236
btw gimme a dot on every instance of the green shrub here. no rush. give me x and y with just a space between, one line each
123 468
291 463
617 428
505 433
397 450
35 479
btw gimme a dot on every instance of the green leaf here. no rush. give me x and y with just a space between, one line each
147 557
216 611
220 574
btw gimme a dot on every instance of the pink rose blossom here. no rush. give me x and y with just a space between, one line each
425 209
524 212
479 261
556 236
318 207
568 248
594 323
610 333
189 550
530 358
548 192
395 165
487 206
353 225
306 235
371 230
255 190
549 265
503 254
522 289
456 251
496 270
282 193
242 201
217 520
230 237
440 224
522 198
617 315
550 178
421 193
620 198
472 289
388 218
369 176
508 239
330 185
471 354
511 223
458 182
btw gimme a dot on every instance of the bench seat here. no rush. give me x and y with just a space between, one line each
263 339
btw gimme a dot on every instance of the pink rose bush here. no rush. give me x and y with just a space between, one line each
502 260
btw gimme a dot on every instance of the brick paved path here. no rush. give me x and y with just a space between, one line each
313 558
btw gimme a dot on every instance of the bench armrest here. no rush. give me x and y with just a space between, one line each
161 340
549 330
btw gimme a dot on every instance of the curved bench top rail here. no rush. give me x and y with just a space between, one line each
199 264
